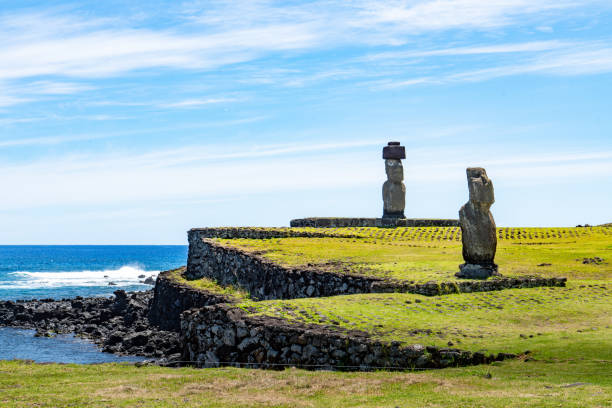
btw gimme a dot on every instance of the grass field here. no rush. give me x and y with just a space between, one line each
579 376
507 321
434 254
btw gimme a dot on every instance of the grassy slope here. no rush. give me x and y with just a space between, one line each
492 321
577 379
534 319
208 285
426 254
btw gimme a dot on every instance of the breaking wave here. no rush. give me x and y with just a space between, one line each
124 276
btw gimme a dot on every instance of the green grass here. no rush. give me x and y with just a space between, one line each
506 321
578 377
208 285
433 254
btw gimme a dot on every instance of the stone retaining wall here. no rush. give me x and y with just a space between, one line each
222 334
332 222
264 279
465 286
171 298
260 233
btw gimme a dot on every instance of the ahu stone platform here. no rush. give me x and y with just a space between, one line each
220 334
216 328
340 222
265 279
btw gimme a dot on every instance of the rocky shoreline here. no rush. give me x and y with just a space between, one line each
118 325
175 323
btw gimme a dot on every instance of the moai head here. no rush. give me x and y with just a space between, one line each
393 154
394 170
481 187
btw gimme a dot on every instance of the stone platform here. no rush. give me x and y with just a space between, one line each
338 222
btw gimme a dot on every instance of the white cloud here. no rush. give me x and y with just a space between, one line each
532 46
59 139
192 103
574 61
200 173
375 22
53 88
43 141
113 51
48 46
460 14
578 59
114 181
22 92
13 121
236 31
8 100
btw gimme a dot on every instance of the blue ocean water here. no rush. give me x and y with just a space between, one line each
21 344
67 271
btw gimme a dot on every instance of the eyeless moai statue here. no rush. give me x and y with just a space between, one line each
394 190
478 228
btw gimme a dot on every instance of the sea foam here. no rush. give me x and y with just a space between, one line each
124 276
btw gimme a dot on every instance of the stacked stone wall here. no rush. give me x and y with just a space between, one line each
446 288
261 233
222 334
171 298
264 279
337 222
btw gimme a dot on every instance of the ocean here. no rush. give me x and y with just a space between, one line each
67 271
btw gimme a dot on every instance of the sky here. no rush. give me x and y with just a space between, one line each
130 122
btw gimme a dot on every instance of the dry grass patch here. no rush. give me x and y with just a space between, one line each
513 384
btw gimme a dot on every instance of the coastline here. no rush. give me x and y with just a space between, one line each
117 325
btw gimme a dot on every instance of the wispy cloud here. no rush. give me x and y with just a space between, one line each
170 174
13 121
458 14
563 60
118 50
9 100
376 22
53 88
193 103
236 31
46 141
23 91
525 47
49 52
62 139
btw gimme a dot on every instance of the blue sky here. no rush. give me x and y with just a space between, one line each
133 121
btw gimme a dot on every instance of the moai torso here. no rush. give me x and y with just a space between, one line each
478 231
394 190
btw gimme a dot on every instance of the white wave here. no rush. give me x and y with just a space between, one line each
124 276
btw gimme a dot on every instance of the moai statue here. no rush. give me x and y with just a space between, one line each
478 228
394 190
